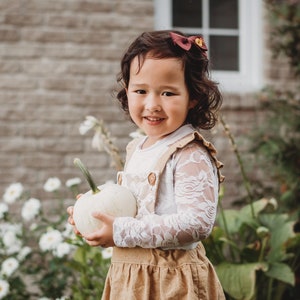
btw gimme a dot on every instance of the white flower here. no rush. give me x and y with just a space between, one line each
14 248
274 203
107 253
6 227
62 249
3 209
89 123
50 240
11 242
33 226
23 253
68 231
52 184
30 209
9 266
97 141
13 192
4 288
262 231
73 181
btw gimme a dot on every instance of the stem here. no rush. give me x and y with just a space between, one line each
269 292
109 146
263 247
87 175
278 290
225 225
241 165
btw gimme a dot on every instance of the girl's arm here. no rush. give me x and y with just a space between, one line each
195 194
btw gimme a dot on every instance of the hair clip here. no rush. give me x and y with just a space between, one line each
186 42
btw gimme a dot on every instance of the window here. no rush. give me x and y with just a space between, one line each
232 30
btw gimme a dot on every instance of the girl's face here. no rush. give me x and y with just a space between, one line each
158 99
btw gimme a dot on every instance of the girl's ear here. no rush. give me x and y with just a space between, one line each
192 103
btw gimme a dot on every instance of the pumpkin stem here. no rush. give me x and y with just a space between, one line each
78 163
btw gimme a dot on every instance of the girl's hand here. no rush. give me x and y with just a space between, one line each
104 236
70 219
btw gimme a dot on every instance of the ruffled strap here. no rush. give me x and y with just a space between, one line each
194 136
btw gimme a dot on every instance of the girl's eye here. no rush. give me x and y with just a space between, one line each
168 94
140 92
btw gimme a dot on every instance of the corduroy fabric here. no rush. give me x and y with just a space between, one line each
154 274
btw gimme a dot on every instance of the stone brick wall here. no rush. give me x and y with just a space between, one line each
58 63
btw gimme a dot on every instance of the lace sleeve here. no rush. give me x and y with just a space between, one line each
195 186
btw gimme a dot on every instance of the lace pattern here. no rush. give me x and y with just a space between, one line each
185 208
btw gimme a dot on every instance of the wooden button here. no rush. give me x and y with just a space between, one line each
151 178
119 179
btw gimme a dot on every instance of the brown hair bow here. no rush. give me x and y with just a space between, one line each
186 42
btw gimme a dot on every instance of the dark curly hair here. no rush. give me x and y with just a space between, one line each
158 44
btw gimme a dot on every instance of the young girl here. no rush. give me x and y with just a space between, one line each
172 171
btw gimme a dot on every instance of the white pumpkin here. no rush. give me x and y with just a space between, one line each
109 198
112 199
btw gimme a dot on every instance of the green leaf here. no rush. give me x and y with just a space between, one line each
217 233
258 207
293 242
281 272
236 218
79 255
232 220
282 231
238 280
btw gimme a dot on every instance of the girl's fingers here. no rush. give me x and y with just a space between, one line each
78 196
70 210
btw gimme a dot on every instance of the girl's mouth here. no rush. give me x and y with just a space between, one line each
153 119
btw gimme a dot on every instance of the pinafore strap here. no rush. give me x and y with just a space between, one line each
182 143
153 177
179 145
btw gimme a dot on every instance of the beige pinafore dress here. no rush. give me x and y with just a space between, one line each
156 274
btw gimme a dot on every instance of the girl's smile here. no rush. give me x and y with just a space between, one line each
158 98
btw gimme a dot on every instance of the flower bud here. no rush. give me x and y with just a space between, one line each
262 231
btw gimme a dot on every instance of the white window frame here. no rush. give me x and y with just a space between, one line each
249 78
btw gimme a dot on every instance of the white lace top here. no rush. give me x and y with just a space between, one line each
186 204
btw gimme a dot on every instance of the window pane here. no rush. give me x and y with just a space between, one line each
223 14
187 13
224 52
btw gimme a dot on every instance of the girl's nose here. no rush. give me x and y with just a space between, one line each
153 104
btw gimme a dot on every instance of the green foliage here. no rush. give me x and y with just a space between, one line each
256 249
239 279
91 270
276 142
254 245
284 16
56 264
